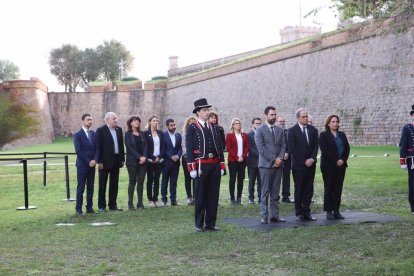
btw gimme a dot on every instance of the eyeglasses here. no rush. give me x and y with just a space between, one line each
237 124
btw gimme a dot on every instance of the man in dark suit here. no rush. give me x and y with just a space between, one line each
281 122
205 162
172 155
253 162
303 145
87 154
111 158
271 145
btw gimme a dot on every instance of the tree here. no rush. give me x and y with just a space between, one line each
373 8
115 60
66 64
15 119
92 68
8 70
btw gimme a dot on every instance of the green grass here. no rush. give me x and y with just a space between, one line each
162 241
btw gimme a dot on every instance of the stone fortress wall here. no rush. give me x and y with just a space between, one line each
364 74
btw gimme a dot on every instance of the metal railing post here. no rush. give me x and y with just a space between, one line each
44 169
26 189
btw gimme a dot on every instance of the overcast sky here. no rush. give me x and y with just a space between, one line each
152 30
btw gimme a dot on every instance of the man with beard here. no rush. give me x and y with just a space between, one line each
271 145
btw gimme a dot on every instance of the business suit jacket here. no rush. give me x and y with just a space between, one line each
253 156
298 145
132 155
329 151
269 148
85 150
106 147
231 142
150 142
169 149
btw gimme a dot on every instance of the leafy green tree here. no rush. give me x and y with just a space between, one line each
92 68
373 8
66 64
8 70
115 60
15 119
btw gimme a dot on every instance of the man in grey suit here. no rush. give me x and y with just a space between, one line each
271 145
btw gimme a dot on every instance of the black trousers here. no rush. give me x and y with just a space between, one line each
286 179
187 178
333 181
236 170
303 178
253 176
113 174
206 195
153 180
136 176
410 184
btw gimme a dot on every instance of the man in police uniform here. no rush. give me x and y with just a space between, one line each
407 156
205 163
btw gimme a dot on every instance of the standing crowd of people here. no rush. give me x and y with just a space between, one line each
270 151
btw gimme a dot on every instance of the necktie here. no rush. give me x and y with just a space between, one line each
89 136
205 125
306 134
273 132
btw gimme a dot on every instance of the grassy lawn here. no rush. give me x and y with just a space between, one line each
162 241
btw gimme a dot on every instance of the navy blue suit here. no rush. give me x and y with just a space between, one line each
171 167
303 176
86 151
253 167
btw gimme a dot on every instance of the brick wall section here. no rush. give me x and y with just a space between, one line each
67 108
363 75
33 93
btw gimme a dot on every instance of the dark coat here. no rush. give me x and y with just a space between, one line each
106 147
132 155
150 142
253 156
170 151
329 150
85 150
299 148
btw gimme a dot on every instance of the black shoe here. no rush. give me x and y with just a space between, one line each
212 228
330 216
102 210
140 207
338 215
263 220
287 200
310 218
276 219
115 209
79 213
91 211
300 217
132 208
199 229
175 203
233 202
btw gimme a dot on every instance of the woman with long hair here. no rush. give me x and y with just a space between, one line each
238 148
187 178
154 159
213 119
334 154
136 158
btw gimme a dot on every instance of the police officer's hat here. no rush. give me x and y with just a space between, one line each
202 103
412 110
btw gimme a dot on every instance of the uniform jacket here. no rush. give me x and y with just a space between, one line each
196 146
